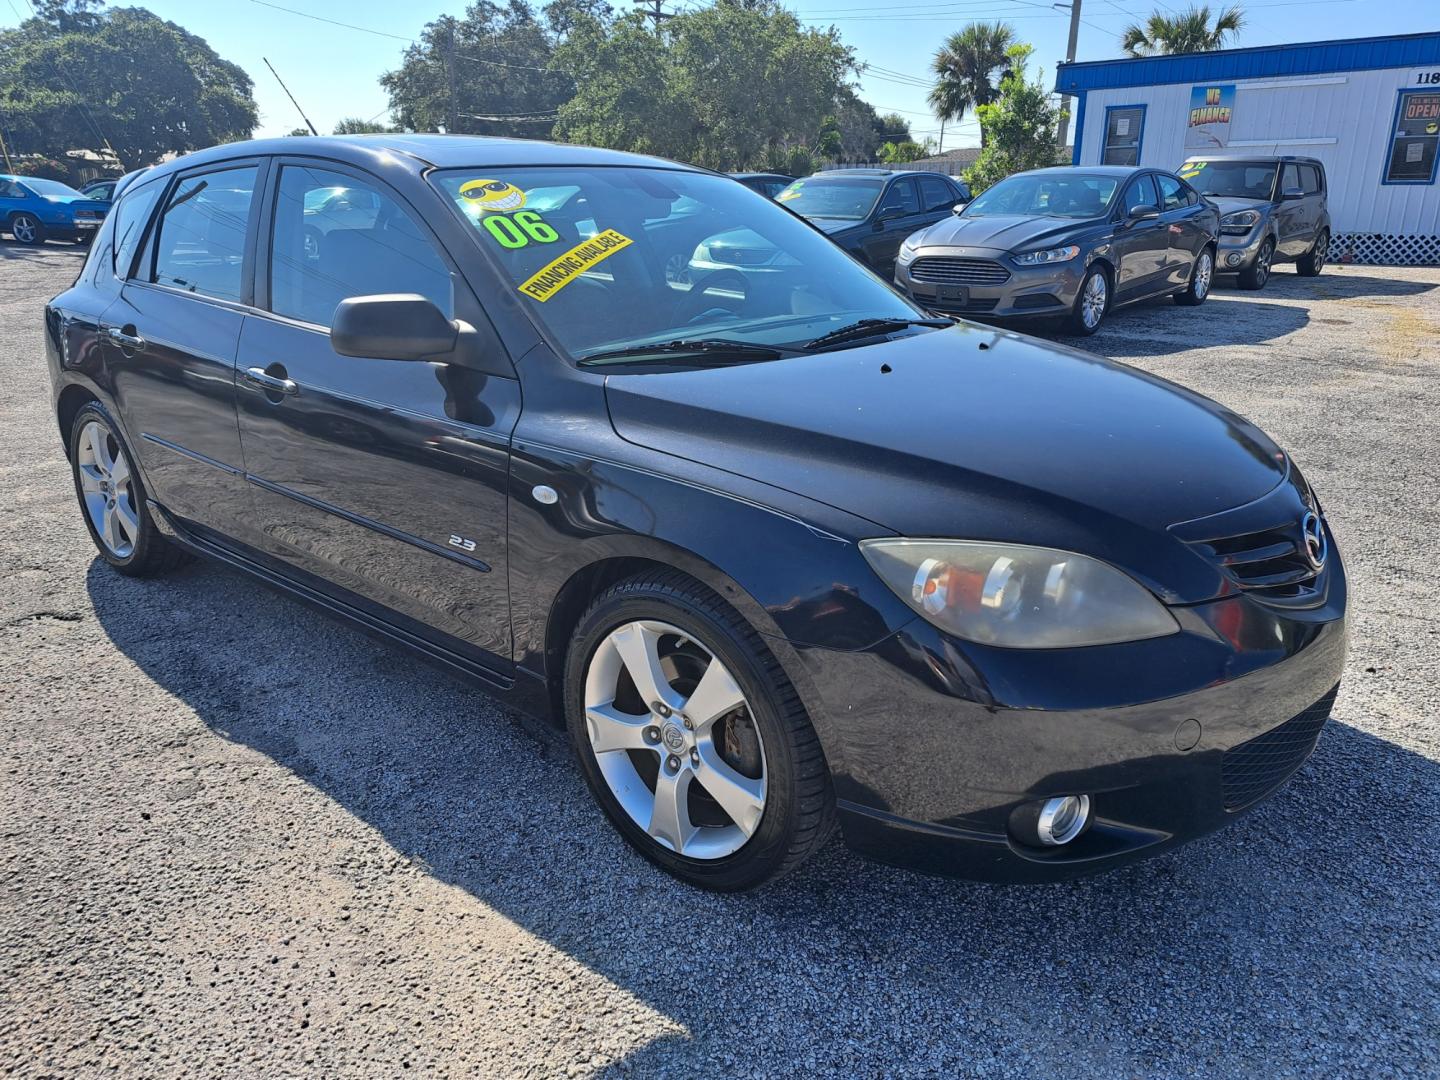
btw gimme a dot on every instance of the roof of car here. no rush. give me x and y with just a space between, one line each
1097 170
425 150
858 173
761 176
1253 157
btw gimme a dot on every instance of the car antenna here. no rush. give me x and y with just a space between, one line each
290 96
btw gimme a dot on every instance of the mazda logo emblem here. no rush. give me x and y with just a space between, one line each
1316 546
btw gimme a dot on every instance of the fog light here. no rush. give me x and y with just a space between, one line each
1233 259
1062 819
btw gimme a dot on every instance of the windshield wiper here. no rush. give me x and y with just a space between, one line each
716 350
864 328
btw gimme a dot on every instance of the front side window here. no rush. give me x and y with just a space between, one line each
1290 179
200 247
338 236
824 197
901 199
1122 135
1310 180
1415 139
1172 195
626 257
1231 179
1140 195
11 190
1063 195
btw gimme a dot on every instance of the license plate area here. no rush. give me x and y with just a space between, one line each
955 294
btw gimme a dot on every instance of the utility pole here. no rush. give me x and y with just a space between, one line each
655 13
449 76
290 96
1074 7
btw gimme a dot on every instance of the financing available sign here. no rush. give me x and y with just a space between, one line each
1208 123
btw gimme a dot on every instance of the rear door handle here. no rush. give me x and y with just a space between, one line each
133 342
274 385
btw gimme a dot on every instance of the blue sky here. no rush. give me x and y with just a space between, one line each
333 71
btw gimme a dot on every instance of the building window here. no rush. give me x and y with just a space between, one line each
1124 125
1415 138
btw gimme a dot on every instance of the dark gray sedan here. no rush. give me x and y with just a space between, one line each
1065 243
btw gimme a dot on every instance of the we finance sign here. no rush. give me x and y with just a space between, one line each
1211 110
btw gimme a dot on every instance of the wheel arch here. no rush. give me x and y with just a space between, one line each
71 400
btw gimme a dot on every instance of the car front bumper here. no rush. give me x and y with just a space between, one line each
1026 292
942 744
1236 253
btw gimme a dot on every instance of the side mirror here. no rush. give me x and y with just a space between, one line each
1293 193
1143 213
407 326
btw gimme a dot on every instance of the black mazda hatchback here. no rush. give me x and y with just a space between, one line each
780 550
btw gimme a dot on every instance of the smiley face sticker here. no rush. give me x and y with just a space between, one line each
495 196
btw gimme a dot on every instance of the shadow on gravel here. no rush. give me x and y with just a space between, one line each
1285 941
9 249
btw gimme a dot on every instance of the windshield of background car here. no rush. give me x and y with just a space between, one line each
49 187
614 258
1073 195
1231 179
848 200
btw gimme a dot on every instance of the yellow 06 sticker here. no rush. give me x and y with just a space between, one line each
554 276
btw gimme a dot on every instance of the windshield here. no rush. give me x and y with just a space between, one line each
49 187
1068 195
1231 179
616 258
849 200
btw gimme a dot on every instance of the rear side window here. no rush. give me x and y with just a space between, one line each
935 193
200 247
338 236
1171 193
130 219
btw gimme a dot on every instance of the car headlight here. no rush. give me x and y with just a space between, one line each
1240 222
909 246
1050 255
1017 596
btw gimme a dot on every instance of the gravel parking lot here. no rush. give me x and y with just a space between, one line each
239 838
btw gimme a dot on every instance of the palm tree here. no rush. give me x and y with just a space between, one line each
968 68
1188 32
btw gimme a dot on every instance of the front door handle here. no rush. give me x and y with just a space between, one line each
133 342
270 383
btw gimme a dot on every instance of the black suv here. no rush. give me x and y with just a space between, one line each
1272 209
870 212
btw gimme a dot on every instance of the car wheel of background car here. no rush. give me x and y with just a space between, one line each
1091 303
1257 273
1311 263
691 737
112 499
26 229
1201 274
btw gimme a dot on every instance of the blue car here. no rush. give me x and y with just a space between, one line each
33 211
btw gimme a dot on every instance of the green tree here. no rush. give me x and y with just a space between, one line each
900 153
829 142
724 86
860 127
892 127
1018 128
353 125
497 59
1190 31
75 78
966 68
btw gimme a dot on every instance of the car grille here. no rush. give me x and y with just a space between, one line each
1253 769
949 270
1271 564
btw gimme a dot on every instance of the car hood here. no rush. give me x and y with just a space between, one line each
1003 232
975 433
1228 204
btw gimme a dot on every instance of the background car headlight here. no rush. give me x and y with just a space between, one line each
1240 222
1050 255
1017 596
909 246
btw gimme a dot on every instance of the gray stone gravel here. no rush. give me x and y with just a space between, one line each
237 838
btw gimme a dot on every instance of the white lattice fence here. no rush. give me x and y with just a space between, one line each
1382 249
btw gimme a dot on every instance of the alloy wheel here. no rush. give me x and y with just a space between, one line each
1204 271
675 740
1322 249
105 481
24 228
1262 263
1092 304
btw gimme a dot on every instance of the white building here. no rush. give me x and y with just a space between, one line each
1369 109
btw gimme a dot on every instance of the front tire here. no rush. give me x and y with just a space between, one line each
691 738
1312 262
1257 273
27 230
1091 303
1201 276
112 498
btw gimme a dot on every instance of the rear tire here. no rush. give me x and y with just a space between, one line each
112 498
1312 262
1257 273
26 229
1202 275
1091 303
764 802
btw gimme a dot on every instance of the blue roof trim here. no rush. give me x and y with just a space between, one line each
1305 58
